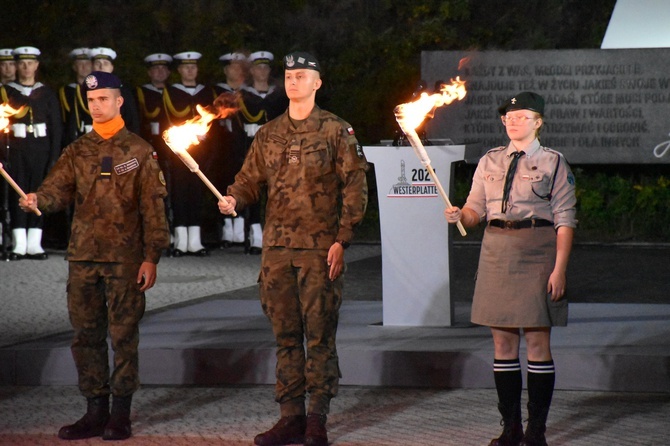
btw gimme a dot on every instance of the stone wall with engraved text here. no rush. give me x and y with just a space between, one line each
602 106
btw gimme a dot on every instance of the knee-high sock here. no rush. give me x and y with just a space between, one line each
541 379
507 376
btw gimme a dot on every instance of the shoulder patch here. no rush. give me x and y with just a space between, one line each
359 151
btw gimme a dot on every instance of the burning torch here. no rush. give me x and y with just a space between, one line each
180 137
5 112
412 114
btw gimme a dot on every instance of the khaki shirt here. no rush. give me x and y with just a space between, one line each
315 177
119 214
543 186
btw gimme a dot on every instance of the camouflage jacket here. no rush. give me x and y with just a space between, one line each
315 177
118 190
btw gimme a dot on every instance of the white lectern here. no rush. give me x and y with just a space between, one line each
414 233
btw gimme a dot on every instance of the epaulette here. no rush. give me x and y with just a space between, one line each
497 149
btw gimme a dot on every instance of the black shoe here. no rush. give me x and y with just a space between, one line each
225 244
254 251
200 253
118 426
288 430
14 256
38 256
92 424
178 253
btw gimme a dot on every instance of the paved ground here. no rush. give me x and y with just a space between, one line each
32 295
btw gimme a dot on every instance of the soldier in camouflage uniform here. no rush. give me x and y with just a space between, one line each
118 234
312 165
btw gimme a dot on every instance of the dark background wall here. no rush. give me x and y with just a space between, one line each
370 50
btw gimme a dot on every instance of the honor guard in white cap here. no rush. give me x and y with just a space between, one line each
82 67
261 57
26 52
236 70
103 60
153 119
34 145
158 59
180 101
262 101
187 57
7 66
232 141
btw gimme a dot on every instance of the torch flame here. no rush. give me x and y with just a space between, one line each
179 138
412 114
5 112
183 136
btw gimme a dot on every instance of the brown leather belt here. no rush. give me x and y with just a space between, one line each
520 224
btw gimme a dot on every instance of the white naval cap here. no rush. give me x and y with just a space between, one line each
233 57
79 53
187 57
260 57
158 59
26 52
6 54
102 53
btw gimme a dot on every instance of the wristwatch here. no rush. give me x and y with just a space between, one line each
344 244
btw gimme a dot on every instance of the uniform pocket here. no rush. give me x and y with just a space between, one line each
493 184
317 162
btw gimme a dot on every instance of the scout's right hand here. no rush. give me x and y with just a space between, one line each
28 204
453 214
227 207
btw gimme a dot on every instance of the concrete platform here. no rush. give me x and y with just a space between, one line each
606 347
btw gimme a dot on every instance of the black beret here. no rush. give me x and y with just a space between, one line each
98 80
301 61
526 100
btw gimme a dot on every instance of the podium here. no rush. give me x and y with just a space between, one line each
414 233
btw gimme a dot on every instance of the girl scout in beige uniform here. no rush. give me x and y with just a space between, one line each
526 193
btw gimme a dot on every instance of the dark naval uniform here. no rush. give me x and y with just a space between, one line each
66 96
232 142
188 190
119 222
78 121
154 120
307 170
34 142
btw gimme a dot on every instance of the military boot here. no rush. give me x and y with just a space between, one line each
537 426
512 433
118 426
288 430
92 424
316 434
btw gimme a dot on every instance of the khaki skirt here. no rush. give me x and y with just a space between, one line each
511 285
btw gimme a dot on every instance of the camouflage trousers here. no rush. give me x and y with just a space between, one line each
102 298
303 306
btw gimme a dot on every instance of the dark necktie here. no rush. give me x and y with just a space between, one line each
509 178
